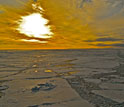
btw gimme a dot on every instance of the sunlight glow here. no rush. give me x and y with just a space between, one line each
33 40
34 25
37 7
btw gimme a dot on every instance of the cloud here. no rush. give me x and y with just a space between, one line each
102 44
113 45
108 39
82 2
118 44
1 11
104 39
13 2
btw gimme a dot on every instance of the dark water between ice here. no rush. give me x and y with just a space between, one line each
26 77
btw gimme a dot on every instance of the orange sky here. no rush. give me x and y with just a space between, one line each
74 25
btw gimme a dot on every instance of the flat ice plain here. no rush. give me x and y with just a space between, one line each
62 78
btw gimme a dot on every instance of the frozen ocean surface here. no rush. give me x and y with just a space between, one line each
62 78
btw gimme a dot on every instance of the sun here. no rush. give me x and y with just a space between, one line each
34 25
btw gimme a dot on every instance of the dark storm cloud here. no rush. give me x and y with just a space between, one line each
104 40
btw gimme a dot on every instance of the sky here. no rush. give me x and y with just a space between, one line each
61 24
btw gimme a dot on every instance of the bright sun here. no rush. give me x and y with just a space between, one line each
34 25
